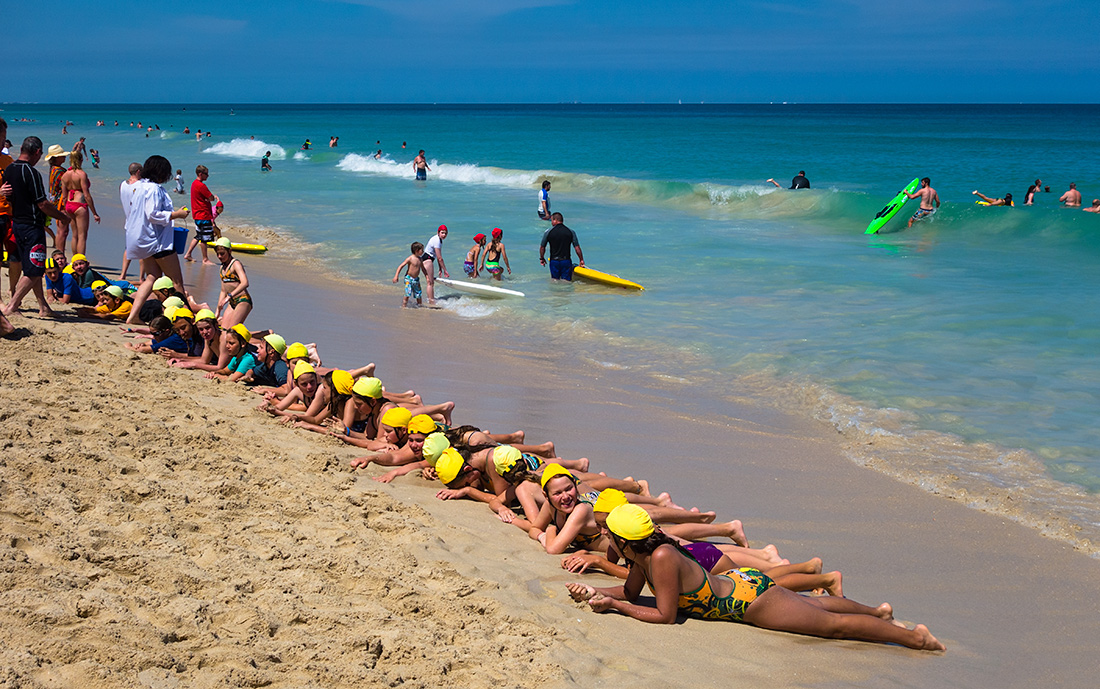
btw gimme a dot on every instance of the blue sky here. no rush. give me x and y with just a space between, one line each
553 51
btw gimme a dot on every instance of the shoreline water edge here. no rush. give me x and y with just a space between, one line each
762 442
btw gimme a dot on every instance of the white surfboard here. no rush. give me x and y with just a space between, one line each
480 290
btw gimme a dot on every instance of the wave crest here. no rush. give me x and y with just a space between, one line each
247 148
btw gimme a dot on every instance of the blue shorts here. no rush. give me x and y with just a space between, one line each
421 174
922 212
412 287
561 270
204 230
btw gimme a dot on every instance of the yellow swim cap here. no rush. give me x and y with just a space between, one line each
630 522
224 243
297 351
448 465
368 387
342 381
170 312
82 257
163 282
422 423
302 368
242 331
203 314
609 499
173 302
276 342
182 313
553 470
115 291
95 285
51 263
505 457
397 417
434 445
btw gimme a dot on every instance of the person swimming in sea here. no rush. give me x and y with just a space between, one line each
1006 201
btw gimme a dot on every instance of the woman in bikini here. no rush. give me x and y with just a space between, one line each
76 189
680 584
234 297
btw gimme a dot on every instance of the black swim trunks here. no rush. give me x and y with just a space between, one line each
204 230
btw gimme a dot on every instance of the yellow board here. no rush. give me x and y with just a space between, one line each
605 278
244 248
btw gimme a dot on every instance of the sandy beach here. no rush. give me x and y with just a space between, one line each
159 531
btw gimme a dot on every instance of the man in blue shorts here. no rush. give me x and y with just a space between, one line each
929 201
560 238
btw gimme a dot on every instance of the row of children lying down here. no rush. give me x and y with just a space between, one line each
561 504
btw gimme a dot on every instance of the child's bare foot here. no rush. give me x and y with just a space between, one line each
188 258
207 262
886 612
735 531
448 407
773 553
930 643
6 328
834 584
582 464
815 565
46 312
644 489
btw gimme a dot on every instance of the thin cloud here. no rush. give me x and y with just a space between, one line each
449 10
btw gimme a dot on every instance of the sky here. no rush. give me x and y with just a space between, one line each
551 51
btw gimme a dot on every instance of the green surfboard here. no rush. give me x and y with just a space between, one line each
891 209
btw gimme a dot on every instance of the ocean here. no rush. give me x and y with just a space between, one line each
959 352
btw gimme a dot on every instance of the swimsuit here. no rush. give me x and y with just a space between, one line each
468 266
71 207
230 276
923 212
493 264
412 287
748 585
590 497
533 462
706 554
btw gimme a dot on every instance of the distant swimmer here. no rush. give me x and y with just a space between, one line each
560 238
306 145
1094 208
402 144
798 182
544 200
332 141
198 135
929 201
1029 196
1006 201
1071 197
421 166
265 163
378 155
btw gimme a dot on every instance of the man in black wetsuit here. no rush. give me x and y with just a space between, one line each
560 238
799 181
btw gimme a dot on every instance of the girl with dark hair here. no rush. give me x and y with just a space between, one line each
679 583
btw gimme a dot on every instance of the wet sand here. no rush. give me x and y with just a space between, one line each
162 532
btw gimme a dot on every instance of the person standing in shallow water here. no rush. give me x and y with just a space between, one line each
929 201
265 163
560 238
420 165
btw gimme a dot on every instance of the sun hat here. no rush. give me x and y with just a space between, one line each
448 465
302 368
342 381
276 342
224 243
553 470
479 237
497 233
55 151
422 423
505 457
297 351
630 522
368 387
434 445
163 282
115 291
203 314
397 417
182 312
609 499
242 332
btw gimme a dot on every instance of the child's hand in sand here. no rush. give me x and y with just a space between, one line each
428 474
451 494
581 592
360 463
578 563
506 515
600 603
386 477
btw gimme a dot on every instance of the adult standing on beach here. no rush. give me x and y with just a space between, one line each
29 208
560 238
544 200
125 192
929 201
202 210
150 236
798 182
420 165
433 253
6 237
1071 197
76 192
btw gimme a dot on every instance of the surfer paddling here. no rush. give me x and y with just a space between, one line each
929 201
1006 201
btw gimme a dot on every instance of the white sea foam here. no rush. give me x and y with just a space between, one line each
463 174
247 148
300 155
468 307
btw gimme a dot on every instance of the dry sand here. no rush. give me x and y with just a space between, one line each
158 531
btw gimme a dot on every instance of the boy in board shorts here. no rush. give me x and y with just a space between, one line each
412 267
202 200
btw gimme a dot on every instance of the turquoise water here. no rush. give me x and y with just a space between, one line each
980 325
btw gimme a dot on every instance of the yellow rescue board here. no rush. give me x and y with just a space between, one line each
605 278
244 248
